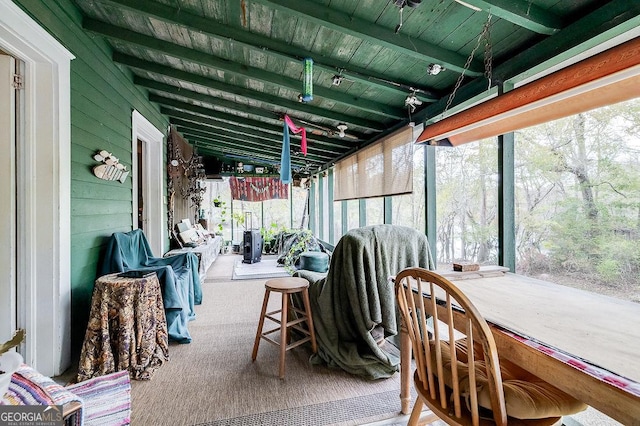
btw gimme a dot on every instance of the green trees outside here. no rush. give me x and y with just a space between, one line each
577 184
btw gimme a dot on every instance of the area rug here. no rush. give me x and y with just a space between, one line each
214 379
266 268
352 411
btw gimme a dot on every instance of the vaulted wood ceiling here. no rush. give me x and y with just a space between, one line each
226 71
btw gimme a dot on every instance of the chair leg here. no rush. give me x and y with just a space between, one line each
307 308
284 319
415 413
260 325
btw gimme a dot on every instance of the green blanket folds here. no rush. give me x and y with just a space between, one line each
178 276
357 296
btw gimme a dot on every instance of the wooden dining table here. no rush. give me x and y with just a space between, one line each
587 345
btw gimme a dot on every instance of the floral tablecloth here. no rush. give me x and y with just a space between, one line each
127 328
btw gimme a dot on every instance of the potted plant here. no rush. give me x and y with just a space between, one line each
239 218
216 202
9 361
223 216
268 235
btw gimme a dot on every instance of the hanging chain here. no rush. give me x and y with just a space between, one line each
484 35
488 53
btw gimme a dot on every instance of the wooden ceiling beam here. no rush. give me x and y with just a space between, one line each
310 137
272 47
296 157
244 108
252 73
231 153
225 147
616 16
245 124
373 33
222 128
276 143
523 14
152 67
246 149
241 133
608 77
214 135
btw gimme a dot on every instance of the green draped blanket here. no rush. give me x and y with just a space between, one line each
178 276
357 296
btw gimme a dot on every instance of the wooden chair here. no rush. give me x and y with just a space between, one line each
467 385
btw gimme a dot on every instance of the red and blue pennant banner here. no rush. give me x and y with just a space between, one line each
295 129
258 189
285 157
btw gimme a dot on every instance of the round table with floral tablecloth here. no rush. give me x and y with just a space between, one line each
127 328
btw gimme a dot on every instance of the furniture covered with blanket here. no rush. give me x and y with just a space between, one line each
127 329
178 275
356 298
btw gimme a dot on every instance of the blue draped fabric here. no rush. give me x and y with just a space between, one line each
178 276
285 157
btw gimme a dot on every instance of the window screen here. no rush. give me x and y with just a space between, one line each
381 169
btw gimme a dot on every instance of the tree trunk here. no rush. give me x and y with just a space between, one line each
580 171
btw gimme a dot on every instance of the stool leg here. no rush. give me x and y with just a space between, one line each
260 324
284 319
307 308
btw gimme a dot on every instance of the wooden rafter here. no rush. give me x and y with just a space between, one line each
376 34
244 108
244 70
524 14
583 32
271 47
608 77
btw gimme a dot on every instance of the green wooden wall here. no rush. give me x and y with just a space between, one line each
102 100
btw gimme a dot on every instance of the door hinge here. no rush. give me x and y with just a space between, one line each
18 82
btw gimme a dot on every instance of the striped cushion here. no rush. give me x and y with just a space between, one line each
30 387
107 399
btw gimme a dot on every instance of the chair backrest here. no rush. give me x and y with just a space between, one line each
126 251
453 380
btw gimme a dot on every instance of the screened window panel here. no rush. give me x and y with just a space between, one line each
381 169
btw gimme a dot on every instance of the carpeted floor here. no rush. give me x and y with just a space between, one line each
212 381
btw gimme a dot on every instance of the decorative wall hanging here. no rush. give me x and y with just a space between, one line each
186 183
307 80
112 169
258 189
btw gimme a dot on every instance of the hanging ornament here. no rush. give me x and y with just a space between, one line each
295 129
307 80
285 158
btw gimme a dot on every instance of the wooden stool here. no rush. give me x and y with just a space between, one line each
286 286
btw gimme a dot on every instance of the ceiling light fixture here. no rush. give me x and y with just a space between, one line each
435 69
341 128
412 102
476 8
336 80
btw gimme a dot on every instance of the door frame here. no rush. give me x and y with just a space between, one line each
44 197
152 180
8 202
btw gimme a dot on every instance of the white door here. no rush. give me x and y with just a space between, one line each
8 296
